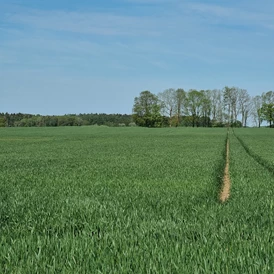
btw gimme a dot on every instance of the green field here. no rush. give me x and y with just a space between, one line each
135 200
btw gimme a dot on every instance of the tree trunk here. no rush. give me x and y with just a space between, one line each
243 119
170 117
178 114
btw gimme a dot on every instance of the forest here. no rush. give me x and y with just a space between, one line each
230 106
29 120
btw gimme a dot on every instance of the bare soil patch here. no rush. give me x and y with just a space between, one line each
224 195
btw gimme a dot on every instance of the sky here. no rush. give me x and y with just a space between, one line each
90 56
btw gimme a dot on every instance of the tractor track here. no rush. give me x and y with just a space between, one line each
226 184
256 157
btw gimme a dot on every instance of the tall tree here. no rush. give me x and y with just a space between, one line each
268 97
267 109
234 101
168 103
244 105
206 107
180 104
230 99
214 103
146 110
217 107
194 103
268 113
256 110
227 102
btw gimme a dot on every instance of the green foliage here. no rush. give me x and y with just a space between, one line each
267 111
146 110
236 124
194 102
2 122
196 108
28 120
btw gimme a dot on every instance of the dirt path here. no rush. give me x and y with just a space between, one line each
224 195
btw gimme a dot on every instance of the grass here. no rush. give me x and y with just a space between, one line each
131 200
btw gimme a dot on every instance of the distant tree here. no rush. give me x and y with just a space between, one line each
146 110
256 110
168 103
230 100
268 113
268 97
28 120
187 121
194 103
237 124
244 105
217 107
180 106
78 121
267 109
206 108
2 122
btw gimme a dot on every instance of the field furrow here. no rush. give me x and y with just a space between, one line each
261 152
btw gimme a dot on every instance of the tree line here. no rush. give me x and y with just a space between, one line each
230 106
29 120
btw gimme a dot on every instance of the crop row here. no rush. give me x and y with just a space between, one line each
106 200
258 143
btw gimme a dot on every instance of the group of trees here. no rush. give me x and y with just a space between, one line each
230 106
29 120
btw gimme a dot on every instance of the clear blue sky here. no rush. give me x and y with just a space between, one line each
64 56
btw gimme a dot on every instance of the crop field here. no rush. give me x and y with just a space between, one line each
136 200
259 143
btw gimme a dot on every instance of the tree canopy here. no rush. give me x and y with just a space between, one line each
146 110
230 106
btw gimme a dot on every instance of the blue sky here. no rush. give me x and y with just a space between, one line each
87 56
